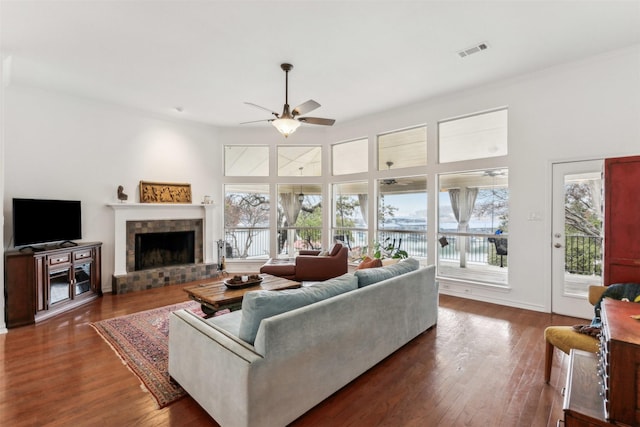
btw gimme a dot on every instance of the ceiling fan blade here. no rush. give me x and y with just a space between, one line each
317 121
262 108
256 121
305 108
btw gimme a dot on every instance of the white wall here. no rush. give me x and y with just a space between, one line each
65 147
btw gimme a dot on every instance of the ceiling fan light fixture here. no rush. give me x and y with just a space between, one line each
286 126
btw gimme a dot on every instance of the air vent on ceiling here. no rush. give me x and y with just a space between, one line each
473 49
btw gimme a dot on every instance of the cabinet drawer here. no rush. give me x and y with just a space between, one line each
59 259
82 255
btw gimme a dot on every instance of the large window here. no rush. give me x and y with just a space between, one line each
402 149
241 160
299 218
246 220
343 157
350 208
473 137
402 214
473 222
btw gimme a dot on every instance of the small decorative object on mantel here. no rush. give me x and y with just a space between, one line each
121 196
163 192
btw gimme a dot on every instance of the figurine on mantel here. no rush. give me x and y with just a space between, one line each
121 196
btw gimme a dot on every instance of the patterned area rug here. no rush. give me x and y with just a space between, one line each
142 342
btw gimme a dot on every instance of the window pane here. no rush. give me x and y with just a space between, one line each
246 160
343 157
299 161
246 220
403 149
351 202
402 214
474 137
299 218
473 220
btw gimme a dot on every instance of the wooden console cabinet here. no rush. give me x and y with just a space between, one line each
604 389
41 284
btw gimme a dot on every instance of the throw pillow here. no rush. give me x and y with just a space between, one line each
368 262
323 253
258 305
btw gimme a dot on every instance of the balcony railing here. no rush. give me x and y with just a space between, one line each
244 243
479 249
583 254
293 239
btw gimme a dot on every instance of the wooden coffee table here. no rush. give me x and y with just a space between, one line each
215 296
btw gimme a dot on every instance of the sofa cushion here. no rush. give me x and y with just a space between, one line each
370 276
258 305
336 248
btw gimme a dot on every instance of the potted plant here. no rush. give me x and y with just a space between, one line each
387 249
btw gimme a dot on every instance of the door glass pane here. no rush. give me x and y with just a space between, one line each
59 286
82 275
583 232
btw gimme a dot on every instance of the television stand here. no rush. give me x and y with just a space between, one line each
67 244
46 281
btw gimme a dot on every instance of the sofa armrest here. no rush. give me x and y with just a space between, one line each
309 252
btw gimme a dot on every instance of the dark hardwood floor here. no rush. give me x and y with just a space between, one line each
480 366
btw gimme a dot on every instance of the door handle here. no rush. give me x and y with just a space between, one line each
557 245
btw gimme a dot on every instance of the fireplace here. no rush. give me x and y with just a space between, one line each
135 219
164 249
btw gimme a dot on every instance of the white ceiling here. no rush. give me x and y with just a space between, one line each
353 57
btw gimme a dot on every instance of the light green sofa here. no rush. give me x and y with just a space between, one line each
302 356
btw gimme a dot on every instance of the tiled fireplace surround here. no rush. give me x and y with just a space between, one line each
132 219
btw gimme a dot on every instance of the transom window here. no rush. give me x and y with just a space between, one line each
299 161
473 137
243 160
344 155
402 148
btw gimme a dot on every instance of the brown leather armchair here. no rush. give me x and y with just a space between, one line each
310 265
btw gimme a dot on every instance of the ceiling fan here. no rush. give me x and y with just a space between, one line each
289 121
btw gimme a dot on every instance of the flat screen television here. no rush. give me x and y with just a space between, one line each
37 221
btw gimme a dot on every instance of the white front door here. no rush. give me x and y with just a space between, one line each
576 236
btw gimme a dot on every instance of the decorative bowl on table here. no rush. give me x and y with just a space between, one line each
237 282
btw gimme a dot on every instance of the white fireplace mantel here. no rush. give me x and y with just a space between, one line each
159 211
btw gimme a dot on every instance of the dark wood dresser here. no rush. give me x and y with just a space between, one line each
603 389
